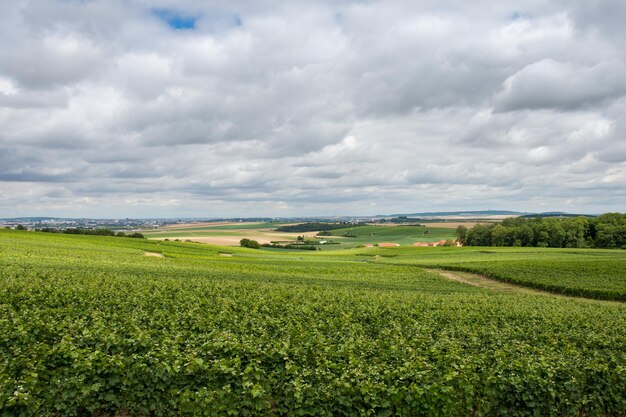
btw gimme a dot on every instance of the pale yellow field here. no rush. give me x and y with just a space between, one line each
454 225
202 224
233 236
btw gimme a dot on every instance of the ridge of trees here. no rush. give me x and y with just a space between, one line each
316 226
95 232
605 231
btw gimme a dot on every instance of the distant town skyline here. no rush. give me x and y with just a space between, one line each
163 109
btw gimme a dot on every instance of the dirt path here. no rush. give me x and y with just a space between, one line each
153 254
494 285
454 277
483 282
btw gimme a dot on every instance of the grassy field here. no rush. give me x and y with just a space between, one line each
264 232
220 226
402 235
223 234
91 325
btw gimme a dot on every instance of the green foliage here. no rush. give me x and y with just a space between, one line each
92 232
591 273
605 231
300 246
90 326
248 243
461 234
596 278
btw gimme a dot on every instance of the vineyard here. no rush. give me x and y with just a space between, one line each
588 273
91 326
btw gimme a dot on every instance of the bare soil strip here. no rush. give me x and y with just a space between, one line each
484 282
494 285
452 225
454 277
153 254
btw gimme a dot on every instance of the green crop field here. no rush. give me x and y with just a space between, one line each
218 226
89 325
403 235
591 273
190 232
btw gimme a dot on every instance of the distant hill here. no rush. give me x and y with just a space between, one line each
459 213
556 214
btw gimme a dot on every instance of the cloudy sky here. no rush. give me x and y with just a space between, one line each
128 108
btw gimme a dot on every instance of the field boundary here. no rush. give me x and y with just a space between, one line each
482 281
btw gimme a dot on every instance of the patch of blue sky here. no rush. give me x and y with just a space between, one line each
176 20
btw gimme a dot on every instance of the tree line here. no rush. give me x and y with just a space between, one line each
253 244
605 231
95 232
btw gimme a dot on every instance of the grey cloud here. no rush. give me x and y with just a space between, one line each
33 100
35 177
613 148
552 84
603 16
613 154
50 60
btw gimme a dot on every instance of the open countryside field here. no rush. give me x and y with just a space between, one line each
590 273
223 226
402 235
89 325
452 224
222 233
230 234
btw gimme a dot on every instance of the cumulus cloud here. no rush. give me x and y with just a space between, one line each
181 108
552 84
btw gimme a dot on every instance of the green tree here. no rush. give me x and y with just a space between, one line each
248 243
479 235
461 234
526 235
575 232
500 236
556 234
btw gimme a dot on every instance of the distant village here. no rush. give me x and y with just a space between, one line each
35 223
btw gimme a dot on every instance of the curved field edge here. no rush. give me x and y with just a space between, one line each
555 288
514 284
587 273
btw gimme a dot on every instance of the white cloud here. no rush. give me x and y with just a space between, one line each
311 108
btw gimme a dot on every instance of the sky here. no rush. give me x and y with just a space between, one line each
137 108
